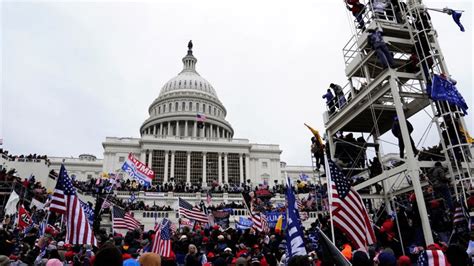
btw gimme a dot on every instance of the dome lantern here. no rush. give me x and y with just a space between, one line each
189 61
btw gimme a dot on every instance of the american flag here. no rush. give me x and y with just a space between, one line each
194 213
65 200
58 200
124 220
162 241
201 117
303 215
432 258
260 222
348 210
461 215
299 204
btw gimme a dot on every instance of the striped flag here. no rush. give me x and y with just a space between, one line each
260 222
303 215
432 258
124 220
78 230
162 241
192 212
299 203
201 117
58 200
348 211
461 215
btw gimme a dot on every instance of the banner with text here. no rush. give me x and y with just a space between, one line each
272 218
138 171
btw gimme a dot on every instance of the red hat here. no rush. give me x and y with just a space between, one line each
205 240
126 256
404 261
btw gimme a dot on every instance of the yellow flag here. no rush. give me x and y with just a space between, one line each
469 139
315 133
279 224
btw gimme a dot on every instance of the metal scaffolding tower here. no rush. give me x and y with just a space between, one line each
375 94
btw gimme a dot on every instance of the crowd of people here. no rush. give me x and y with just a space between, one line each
26 158
212 245
219 246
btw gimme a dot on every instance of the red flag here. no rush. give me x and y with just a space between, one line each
24 218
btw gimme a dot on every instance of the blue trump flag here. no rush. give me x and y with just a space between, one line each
88 211
294 232
444 90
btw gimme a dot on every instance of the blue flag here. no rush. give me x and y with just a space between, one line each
304 177
294 232
132 198
88 211
457 18
444 90
243 223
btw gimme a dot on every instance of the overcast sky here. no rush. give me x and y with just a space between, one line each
76 72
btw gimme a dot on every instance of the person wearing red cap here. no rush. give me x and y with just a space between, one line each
404 261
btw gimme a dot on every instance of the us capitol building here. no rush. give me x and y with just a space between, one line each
181 149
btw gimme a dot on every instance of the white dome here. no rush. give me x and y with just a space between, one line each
188 80
181 100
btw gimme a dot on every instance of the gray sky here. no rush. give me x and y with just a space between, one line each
76 72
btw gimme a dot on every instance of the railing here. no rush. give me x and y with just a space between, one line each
166 137
386 15
174 195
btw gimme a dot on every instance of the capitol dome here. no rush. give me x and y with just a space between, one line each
187 106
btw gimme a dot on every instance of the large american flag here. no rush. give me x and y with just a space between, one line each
192 212
432 258
260 222
348 210
65 201
124 220
162 241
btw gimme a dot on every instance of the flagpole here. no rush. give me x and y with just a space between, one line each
398 226
328 184
61 224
